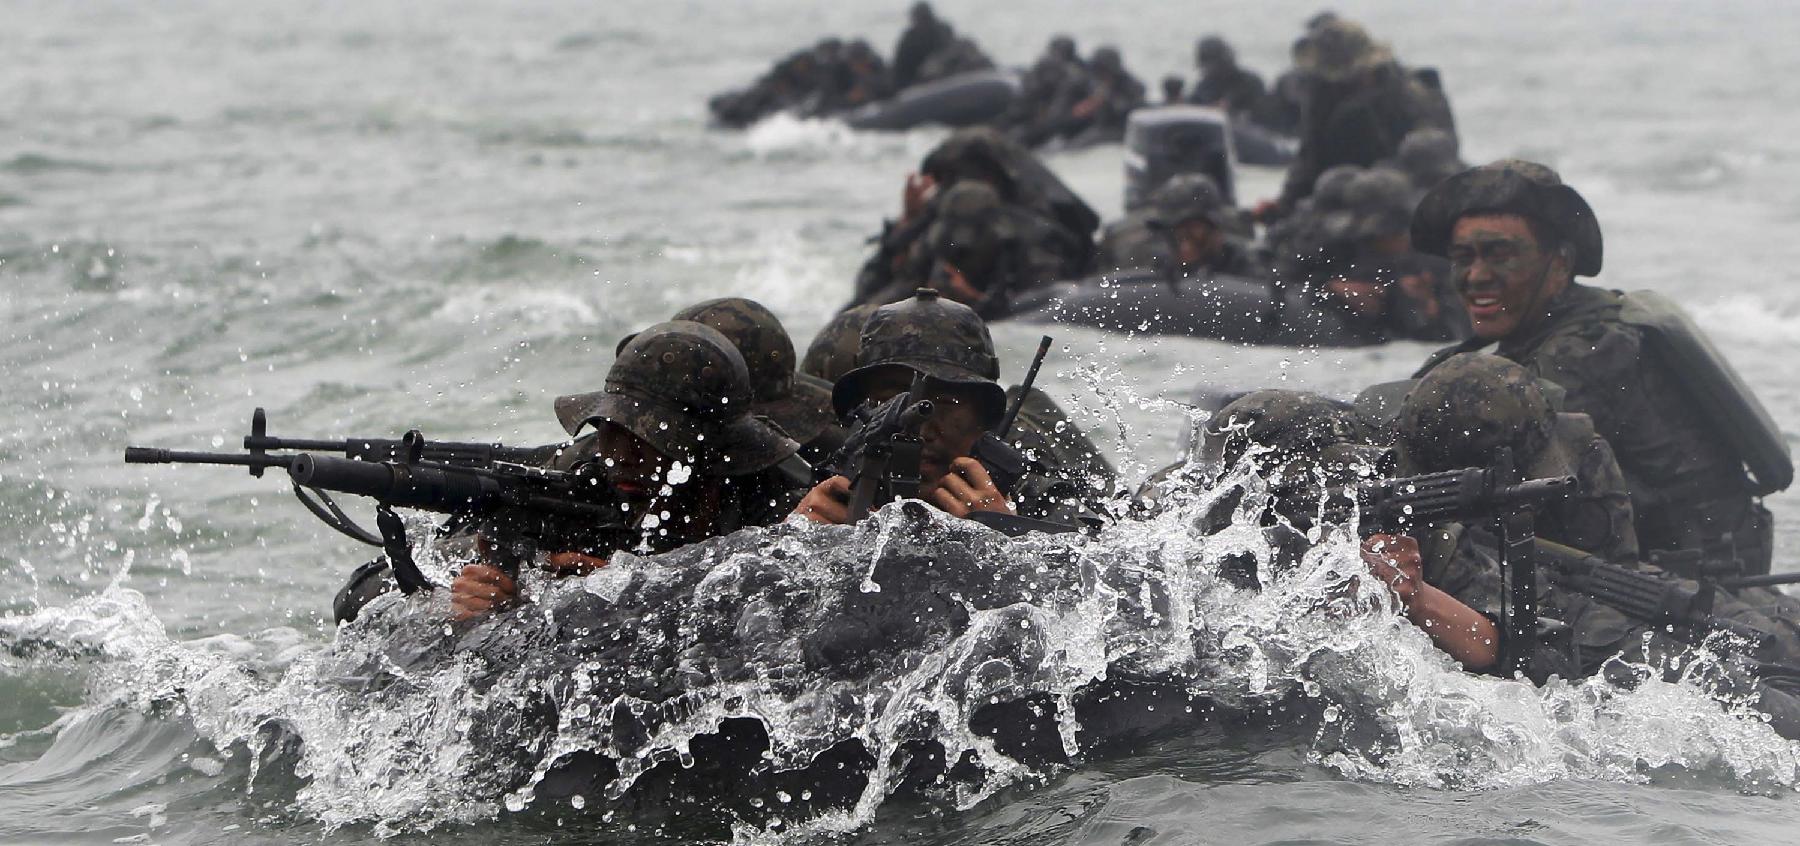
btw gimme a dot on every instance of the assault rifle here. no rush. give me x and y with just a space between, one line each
881 456
1681 607
1494 496
522 505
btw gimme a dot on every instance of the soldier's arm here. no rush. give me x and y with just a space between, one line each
1464 633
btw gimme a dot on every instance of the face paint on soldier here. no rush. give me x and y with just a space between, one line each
1504 276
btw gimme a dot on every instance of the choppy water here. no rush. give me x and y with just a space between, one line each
368 218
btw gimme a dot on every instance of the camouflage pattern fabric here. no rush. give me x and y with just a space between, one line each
1688 490
801 408
683 388
833 351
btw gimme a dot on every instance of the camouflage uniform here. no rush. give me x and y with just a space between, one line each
947 342
1046 94
1688 488
800 405
1466 409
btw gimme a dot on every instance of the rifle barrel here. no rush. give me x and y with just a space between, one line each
154 455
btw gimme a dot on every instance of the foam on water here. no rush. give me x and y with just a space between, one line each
403 723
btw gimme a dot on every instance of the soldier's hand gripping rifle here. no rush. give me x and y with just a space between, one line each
881 456
1493 495
522 506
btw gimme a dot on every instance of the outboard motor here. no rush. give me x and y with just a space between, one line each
1165 141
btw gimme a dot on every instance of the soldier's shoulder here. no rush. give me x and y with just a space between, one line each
1601 343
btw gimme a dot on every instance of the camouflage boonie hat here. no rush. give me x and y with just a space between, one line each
1509 186
1339 49
938 338
1377 203
832 352
970 219
1331 189
1187 196
1293 424
684 389
1468 407
801 408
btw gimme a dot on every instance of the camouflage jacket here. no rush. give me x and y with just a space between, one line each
1687 488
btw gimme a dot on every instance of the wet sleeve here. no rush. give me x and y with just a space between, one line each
1606 521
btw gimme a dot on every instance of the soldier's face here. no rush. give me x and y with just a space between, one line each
949 433
1196 241
1504 277
634 468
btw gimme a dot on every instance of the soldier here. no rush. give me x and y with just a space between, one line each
1360 104
1046 93
678 444
1516 237
1054 228
1301 443
799 404
948 345
925 35
1185 229
1468 408
1366 263
1223 84
1113 93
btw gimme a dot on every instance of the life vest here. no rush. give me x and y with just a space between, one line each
1710 382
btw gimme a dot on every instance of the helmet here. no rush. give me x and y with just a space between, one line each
937 338
1331 189
1187 196
832 352
1468 407
1376 202
1429 155
1509 186
1062 47
970 218
801 408
1292 423
684 389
